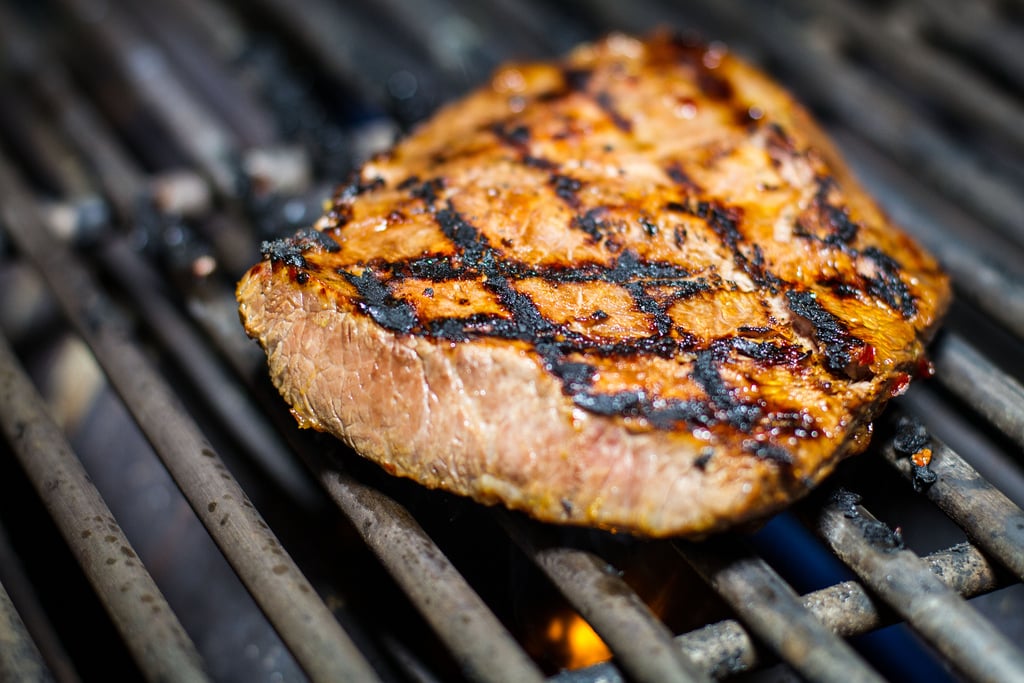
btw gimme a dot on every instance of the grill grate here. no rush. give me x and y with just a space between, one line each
146 151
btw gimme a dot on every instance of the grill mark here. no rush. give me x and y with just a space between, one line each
889 286
679 176
607 104
841 349
591 223
567 187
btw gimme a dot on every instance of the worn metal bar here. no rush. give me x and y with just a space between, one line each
923 68
905 583
198 132
480 643
773 611
193 54
80 122
138 609
970 375
20 659
725 648
984 512
642 644
477 638
30 611
305 624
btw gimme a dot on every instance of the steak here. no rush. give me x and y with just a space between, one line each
635 289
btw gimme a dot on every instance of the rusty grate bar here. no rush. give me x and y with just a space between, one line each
20 659
988 517
156 639
773 610
304 622
642 644
726 648
970 375
905 582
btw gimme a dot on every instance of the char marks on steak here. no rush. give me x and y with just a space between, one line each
635 289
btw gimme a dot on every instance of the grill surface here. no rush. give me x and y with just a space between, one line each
145 151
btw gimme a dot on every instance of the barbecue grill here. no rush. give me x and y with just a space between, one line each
146 149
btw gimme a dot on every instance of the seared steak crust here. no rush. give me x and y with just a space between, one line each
635 289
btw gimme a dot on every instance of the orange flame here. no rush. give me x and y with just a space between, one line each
581 645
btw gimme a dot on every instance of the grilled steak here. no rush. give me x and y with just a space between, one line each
635 289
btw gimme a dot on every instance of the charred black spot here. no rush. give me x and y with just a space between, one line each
302 277
722 221
875 532
377 302
702 460
649 227
355 186
576 80
912 438
830 332
591 223
769 451
607 104
706 373
290 250
566 188
465 235
539 162
576 377
427 191
515 136
714 86
887 285
679 177
768 353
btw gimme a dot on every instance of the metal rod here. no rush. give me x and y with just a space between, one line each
20 659
642 644
484 648
150 629
923 68
988 517
725 648
305 624
32 614
905 583
198 132
975 379
773 611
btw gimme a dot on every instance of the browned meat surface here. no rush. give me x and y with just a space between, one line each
634 289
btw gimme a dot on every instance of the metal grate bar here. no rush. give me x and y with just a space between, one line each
303 621
974 378
33 616
206 71
153 633
481 644
988 517
20 659
773 610
924 69
642 644
977 26
905 583
208 143
725 648
78 120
